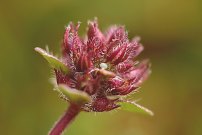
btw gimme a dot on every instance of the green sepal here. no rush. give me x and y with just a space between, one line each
134 107
74 95
53 61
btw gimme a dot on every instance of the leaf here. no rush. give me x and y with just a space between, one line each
53 61
74 95
134 107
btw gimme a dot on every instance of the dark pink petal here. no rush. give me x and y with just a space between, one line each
139 74
120 86
116 82
117 33
64 79
112 45
102 104
96 48
94 32
96 41
134 49
124 66
121 56
127 90
124 89
71 41
111 57
84 62
116 52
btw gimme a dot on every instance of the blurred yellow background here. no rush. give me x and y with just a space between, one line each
171 31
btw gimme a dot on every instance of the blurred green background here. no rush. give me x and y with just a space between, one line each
171 32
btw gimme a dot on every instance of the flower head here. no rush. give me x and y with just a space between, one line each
102 66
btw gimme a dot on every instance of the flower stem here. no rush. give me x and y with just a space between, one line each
65 120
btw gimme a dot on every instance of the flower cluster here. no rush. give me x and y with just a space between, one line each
102 65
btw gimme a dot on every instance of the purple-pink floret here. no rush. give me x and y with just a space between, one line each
102 64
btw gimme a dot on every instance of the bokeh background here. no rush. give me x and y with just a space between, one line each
171 31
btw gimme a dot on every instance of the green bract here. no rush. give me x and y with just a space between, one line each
74 95
53 61
134 107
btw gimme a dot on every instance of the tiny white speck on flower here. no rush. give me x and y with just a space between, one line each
103 65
